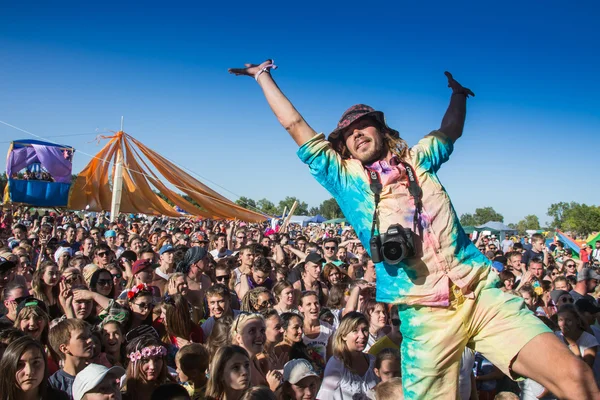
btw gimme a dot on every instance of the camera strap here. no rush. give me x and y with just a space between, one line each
413 188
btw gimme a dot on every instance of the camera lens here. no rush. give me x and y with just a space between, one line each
393 252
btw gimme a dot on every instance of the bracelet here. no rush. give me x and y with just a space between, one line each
265 69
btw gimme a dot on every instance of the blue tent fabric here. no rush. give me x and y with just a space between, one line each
495 226
39 193
317 219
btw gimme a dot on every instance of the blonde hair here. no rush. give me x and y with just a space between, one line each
240 323
390 390
349 323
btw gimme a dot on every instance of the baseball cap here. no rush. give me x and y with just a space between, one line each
141 265
555 294
314 257
498 266
6 265
166 248
586 305
296 370
110 233
91 376
587 274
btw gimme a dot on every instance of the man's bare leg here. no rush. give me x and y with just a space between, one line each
550 363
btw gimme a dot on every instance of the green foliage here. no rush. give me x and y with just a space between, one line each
266 206
330 209
246 203
301 208
481 216
579 218
530 222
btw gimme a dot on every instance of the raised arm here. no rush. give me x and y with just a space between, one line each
454 119
283 109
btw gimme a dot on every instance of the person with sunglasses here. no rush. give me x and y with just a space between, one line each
330 248
223 277
102 255
13 294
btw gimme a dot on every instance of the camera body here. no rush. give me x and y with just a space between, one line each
397 244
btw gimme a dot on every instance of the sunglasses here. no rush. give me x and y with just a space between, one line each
144 306
104 282
222 278
72 278
118 276
329 248
103 254
266 304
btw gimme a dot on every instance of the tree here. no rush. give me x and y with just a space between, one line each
246 202
579 218
481 216
530 222
330 209
468 220
301 208
314 211
558 212
266 206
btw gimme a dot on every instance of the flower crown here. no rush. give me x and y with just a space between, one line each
142 287
146 352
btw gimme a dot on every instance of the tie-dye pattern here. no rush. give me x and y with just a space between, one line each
448 297
448 256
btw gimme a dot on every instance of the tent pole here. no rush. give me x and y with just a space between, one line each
117 182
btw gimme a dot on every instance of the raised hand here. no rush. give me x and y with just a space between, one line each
457 87
251 69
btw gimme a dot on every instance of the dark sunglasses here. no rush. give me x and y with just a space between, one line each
104 282
222 278
144 306
72 278
329 248
103 254
118 276
266 304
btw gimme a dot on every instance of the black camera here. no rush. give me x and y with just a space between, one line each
395 245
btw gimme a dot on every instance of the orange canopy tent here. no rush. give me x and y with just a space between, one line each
92 190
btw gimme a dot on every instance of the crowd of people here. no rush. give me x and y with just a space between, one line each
152 308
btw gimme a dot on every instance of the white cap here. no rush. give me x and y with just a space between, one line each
89 377
296 370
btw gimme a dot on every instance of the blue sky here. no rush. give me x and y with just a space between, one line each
531 136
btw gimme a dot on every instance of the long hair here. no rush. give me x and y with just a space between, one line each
397 146
250 299
135 378
220 335
38 285
215 388
179 322
349 323
9 367
37 312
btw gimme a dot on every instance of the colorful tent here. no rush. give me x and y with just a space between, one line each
48 164
93 189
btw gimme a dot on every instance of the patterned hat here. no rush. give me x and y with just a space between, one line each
355 113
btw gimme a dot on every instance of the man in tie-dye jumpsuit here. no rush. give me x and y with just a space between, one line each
447 294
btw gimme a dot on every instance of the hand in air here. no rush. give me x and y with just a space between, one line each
457 87
250 69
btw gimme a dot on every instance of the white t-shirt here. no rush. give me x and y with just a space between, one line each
596 366
339 383
467 362
584 342
158 272
373 339
317 347
531 390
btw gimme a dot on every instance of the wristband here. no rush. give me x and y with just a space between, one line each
265 69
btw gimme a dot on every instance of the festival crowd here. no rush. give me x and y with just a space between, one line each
156 308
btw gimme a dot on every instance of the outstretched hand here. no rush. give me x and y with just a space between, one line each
250 69
457 87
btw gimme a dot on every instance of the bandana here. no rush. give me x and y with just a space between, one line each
191 257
